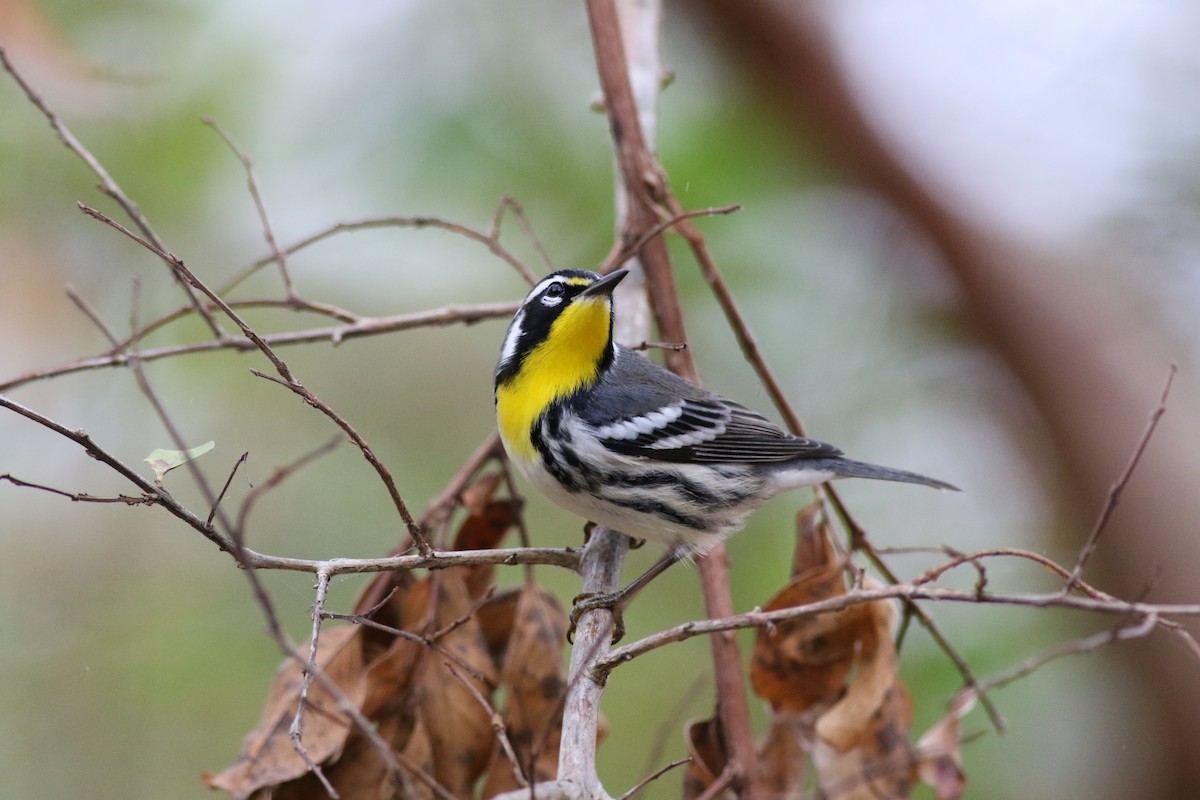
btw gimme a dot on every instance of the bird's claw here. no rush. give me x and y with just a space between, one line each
590 601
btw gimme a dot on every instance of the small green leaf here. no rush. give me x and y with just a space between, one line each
163 461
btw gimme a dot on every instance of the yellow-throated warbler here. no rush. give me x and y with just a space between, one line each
611 436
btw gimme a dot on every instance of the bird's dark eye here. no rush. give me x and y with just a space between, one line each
555 289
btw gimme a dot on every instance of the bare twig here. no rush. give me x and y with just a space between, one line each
1135 630
723 781
488 240
336 334
653 776
79 497
91 314
288 379
108 186
567 558
643 192
679 215
510 203
277 477
424 640
758 619
499 729
277 254
296 730
228 482
156 494
1114 493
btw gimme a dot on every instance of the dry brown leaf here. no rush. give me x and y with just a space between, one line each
782 760
483 528
268 757
850 722
496 615
459 728
536 680
803 663
706 747
831 679
939 759
881 766
418 756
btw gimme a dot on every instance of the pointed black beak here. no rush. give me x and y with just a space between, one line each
605 285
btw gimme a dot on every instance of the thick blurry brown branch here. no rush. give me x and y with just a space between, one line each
648 205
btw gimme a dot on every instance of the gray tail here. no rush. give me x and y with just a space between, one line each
846 468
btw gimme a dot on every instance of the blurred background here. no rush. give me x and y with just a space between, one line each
967 248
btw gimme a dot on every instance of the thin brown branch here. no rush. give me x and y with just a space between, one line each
566 558
679 215
860 543
758 619
385 475
644 187
424 640
108 185
156 494
296 730
288 379
277 477
212 512
79 497
510 203
499 729
277 254
653 776
182 271
1134 630
1114 493
488 240
91 314
727 777
336 334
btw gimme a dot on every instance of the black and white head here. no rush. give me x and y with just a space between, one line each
573 303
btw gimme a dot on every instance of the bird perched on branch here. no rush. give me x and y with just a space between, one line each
611 436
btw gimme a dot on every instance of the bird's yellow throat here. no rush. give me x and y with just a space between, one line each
565 361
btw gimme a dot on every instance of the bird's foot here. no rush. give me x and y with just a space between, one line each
591 601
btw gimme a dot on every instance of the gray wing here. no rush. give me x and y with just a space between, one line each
641 409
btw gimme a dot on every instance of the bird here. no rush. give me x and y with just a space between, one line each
604 432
